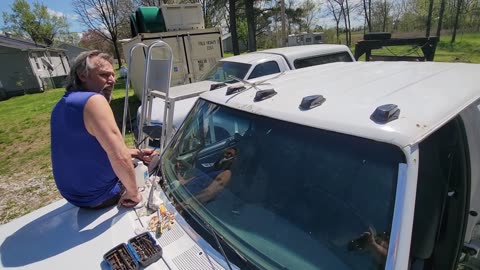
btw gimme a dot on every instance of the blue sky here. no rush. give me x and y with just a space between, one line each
57 7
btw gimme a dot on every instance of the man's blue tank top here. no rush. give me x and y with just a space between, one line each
81 168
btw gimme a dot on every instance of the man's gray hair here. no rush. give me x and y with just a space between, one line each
82 64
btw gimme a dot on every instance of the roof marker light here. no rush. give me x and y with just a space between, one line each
234 89
264 94
385 113
215 86
310 102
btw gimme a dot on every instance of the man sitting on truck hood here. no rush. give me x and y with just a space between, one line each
89 156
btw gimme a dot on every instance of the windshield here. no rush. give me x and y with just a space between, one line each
223 69
284 195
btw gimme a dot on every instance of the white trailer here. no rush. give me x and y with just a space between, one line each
305 39
195 49
194 53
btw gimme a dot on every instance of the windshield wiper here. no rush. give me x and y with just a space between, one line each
219 245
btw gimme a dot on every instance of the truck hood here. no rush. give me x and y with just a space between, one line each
63 236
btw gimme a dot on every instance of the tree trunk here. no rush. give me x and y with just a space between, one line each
385 15
367 18
233 26
440 17
117 52
429 18
342 9
338 32
349 32
252 45
455 25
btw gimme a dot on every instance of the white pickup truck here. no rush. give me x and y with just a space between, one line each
311 172
250 66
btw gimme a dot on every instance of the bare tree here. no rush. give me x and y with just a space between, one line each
367 13
104 17
336 13
311 8
345 13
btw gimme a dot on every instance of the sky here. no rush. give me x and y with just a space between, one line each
57 7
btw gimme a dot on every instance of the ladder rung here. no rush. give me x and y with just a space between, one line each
156 93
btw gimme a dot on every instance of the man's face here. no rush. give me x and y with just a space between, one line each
101 78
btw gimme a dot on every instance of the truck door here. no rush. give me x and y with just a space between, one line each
442 200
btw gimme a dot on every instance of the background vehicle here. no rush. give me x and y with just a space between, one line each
249 66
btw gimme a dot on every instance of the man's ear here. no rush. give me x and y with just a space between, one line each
82 77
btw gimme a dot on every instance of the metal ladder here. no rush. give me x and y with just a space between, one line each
165 62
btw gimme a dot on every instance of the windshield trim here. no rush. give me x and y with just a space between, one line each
395 233
398 255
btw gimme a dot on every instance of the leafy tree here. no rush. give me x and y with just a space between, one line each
37 23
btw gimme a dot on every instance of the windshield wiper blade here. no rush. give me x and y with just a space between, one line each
219 245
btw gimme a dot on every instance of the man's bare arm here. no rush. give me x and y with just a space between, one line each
215 187
100 122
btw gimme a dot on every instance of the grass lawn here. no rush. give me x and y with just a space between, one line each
26 181
466 49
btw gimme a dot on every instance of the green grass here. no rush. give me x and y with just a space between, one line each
24 132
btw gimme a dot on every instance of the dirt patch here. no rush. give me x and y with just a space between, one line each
21 194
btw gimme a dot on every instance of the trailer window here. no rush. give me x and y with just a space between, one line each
264 69
223 69
323 59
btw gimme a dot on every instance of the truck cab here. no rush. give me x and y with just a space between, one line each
377 171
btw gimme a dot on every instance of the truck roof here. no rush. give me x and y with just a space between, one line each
308 50
295 52
427 94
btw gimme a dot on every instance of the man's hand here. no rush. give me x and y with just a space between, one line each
146 155
130 200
